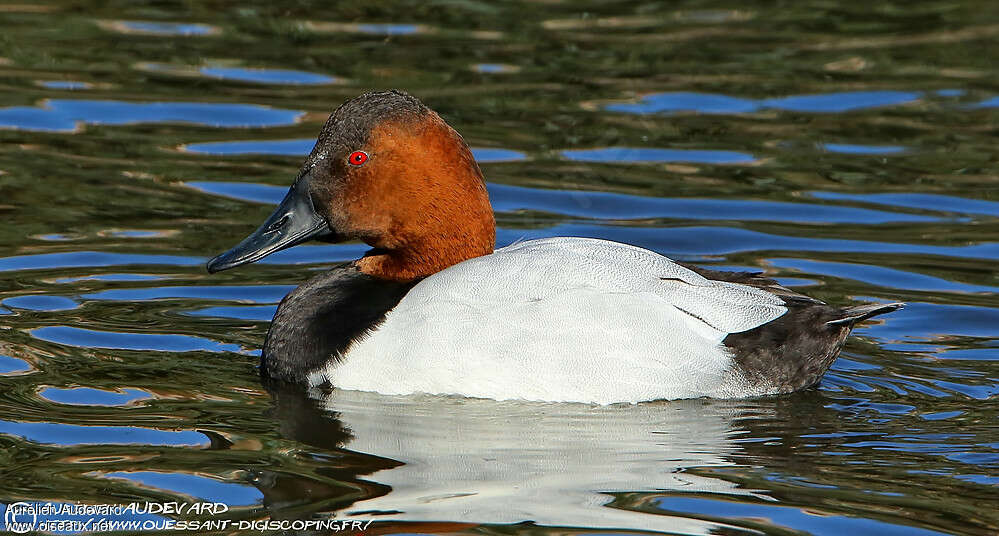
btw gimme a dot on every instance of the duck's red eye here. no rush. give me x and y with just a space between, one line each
357 157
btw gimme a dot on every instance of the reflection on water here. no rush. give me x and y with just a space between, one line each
631 154
862 149
69 434
198 487
159 28
723 104
41 303
89 338
266 76
95 397
256 75
65 84
63 115
495 68
946 203
12 365
386 29
557 465
89 258
844 149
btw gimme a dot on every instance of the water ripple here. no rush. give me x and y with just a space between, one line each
267 76
846 148
686 102
840 102
87 396
930 321
39 302
262 313
201 487
388 29
649 155
243 293
495 68
68 85
63 115
159 28
109 277
779 516
879 276
73 434
937 202
86 259
12 365
117 340
607 205
989 103
723 104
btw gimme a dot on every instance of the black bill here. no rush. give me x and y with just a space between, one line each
294 221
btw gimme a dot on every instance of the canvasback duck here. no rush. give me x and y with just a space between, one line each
433 308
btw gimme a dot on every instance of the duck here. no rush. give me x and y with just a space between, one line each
435 308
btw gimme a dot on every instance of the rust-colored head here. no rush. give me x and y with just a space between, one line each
389 171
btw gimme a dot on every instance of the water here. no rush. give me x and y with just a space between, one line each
847 150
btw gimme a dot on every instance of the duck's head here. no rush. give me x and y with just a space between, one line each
389 171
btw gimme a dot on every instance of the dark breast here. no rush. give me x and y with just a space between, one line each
795 350
319 320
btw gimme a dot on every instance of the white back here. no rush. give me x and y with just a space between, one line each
560 319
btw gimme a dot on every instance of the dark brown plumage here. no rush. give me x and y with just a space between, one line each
795 350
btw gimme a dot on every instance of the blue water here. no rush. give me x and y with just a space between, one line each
69 434
66 84
724 104
388 29
637 155
94 397
11 365
41 303
195 486
63 115
166 28
88 338
267 76
862 149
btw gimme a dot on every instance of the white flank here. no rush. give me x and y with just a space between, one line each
560 319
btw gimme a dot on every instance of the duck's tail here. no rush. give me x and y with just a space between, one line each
857 313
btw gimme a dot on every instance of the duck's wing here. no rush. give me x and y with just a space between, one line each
752 279
780 340
536 270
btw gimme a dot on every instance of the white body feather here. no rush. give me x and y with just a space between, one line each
560 319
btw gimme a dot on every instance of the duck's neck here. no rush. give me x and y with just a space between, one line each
416 261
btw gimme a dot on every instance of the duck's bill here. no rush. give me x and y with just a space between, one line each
294 221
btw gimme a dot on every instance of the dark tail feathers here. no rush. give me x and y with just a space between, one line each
863 312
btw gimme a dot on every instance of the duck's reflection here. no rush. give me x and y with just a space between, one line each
430 458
